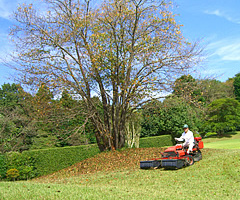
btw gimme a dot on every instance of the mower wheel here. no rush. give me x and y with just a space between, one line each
197 156
190 160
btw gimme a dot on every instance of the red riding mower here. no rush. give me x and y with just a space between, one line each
176 157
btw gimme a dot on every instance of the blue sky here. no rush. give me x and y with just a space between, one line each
215 22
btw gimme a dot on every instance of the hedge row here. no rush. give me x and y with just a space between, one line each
51 160
157 141
35 163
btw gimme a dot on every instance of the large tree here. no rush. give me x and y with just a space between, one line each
122 51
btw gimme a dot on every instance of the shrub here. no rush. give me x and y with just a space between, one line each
23 163
12 174
157 141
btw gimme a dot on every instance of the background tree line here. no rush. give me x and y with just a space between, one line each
41 121
206 105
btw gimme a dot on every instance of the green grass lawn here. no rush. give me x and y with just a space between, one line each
225 144
228 141
216 176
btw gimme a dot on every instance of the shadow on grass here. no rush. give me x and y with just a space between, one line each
224 135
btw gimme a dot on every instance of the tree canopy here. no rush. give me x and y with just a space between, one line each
223 115
169 116
201 92
121 51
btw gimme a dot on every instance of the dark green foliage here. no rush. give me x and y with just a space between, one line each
201 92
35 122
152 121
177 113
72 125
214 89
223 115
187 88
184 84
25 164
3 166
168 117
157 141
236 85
10 95
51 160
13 118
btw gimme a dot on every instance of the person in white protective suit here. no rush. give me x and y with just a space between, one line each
188 137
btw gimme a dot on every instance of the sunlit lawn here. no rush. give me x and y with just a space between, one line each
229 141
226 144
217 176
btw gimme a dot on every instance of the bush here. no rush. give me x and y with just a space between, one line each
3 167
23 163
12 174
157 141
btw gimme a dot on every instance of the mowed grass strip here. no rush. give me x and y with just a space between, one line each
214 177
227 141
225 144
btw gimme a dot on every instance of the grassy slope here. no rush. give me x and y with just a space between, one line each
116 175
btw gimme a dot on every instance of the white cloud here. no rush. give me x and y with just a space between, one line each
215 12
227 49
225 15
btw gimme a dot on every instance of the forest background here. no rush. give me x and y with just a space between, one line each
40 121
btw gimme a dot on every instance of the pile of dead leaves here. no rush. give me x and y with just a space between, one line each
110 161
